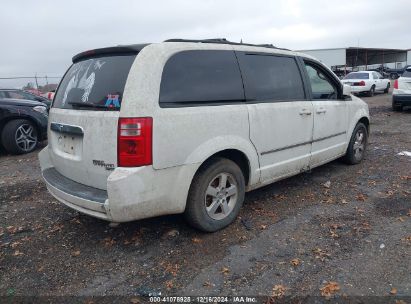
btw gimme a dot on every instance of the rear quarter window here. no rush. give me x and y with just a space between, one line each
201 77
271 77
97 83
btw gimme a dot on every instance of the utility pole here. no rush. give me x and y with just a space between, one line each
37 84
47 81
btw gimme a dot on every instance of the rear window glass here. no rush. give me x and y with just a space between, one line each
93 84
201 76
357 76
271 78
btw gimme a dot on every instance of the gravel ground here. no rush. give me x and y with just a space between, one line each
296 237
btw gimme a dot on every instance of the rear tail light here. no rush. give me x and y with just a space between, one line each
361 83
134 142
396 84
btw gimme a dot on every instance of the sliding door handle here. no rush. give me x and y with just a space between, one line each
305 112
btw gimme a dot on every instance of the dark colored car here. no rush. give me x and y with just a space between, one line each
20 94
23 123
395 73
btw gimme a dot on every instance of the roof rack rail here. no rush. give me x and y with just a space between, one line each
212 40
224 41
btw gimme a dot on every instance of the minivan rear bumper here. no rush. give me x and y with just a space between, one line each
402 99
77 196
132 193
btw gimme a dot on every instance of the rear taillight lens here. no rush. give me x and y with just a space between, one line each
134 142
361 83
396 84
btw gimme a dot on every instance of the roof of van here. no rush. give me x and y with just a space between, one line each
132 48
225 41
135 48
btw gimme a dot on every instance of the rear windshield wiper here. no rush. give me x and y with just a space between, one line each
90 105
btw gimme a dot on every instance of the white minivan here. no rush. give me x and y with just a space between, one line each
188 126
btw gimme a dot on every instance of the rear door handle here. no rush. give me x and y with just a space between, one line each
305 112
321 110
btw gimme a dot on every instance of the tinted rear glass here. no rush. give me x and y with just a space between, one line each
96 83
201 76
357 76
271 78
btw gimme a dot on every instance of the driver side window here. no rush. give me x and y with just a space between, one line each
321 86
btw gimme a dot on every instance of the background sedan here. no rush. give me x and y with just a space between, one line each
23 123
367 82
20 94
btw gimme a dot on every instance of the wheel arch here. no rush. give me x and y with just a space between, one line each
366 121
237 156
236 148
7 119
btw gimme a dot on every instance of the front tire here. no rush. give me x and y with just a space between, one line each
357 146
216 195
371 92
19 136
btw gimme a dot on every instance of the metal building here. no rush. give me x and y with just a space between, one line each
344 60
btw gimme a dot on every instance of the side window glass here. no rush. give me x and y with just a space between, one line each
28 96
321 86
3 95
201 77
16 95
271 78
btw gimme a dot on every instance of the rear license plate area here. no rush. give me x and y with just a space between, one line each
68 144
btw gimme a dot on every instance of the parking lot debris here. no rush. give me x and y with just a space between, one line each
382 246
75 253
278 291
405 153
329 289
208 284
295 262
247 223
327 184
172 233
225 270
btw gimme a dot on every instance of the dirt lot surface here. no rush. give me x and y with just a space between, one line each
345 224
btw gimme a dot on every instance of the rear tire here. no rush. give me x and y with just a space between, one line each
387 89
19 136
216 195
357 146
371 92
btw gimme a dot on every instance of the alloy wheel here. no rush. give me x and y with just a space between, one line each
26 137
221 196
359 144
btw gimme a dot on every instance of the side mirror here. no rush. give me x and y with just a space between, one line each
346 90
